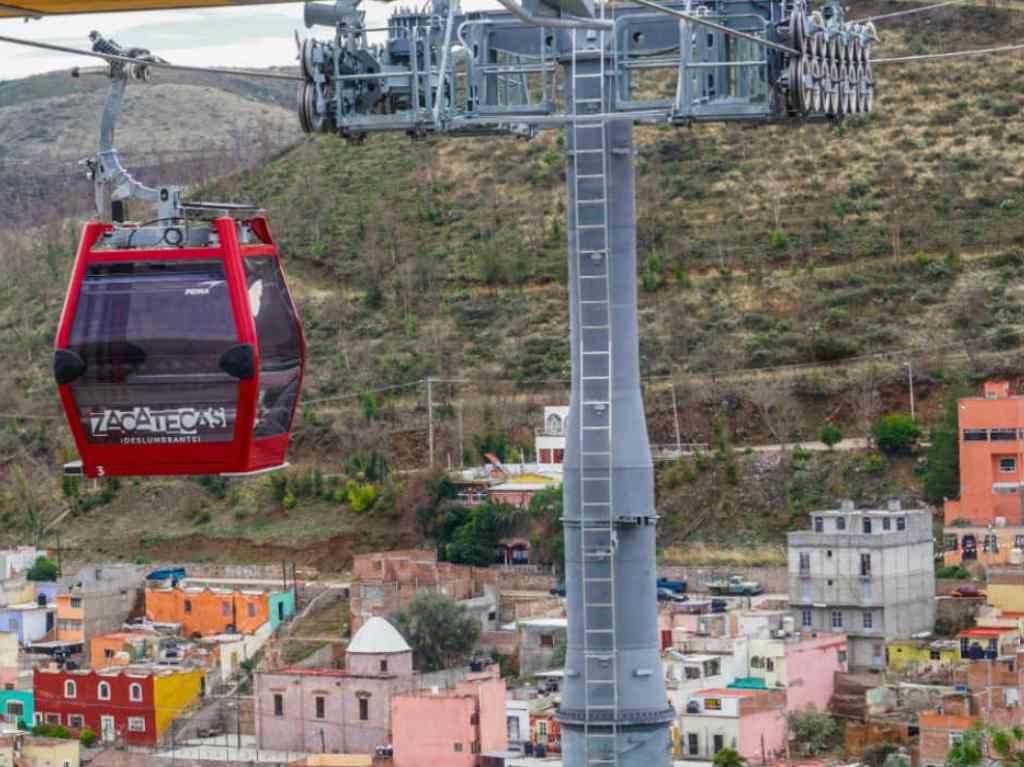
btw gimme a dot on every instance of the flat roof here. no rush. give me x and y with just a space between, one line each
553 623
722 692
985 632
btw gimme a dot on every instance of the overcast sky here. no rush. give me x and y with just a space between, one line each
251 36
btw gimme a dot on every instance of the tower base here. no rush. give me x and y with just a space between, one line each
638 745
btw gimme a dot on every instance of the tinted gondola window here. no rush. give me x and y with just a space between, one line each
277 331
152 335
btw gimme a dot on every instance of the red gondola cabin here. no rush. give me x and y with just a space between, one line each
179 356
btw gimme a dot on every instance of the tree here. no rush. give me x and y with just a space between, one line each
986 744
44 569
440 632
548 543
895 433
728 757
87 738
815 732
942 475
475 541
830 434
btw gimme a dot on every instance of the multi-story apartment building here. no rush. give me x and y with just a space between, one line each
986 523
867 573
97 600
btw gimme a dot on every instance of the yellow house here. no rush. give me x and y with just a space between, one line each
51 752
917 654
39 752
175 692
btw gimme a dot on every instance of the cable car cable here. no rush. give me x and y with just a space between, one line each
907 12
147 63
949 55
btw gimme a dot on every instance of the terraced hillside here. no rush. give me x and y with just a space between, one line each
842 250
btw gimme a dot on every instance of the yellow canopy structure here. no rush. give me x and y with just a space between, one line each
37 8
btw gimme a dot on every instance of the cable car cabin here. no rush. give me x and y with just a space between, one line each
179 350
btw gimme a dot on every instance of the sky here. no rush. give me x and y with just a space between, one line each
253 36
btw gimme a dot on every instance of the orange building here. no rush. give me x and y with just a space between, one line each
206 611
70 618
120 648
987 522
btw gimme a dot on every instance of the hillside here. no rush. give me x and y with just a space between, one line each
845 251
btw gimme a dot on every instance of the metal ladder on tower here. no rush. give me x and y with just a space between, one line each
597 525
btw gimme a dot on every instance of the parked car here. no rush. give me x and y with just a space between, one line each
678 587
967 590
668 595
735 586
558 590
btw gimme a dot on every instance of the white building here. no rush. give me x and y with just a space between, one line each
869 574
19 560
549 444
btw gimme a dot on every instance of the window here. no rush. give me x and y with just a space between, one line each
53 718
1003 435
559 455
76 603
805 591
805 617
225 609
103 691
869 621
877 651
975 435
865 563
886 523
250 609
136 724
712 704
135 693
15 710
458 748
545 455
805 562
840 523
950 542
901 523
108 653
866 591
384 666
512 727
76 721
542 729
364 709
321 707
692 672
769 664
547 640
693 743
1007 465
188 607
278 704
819 525
867 525
934 655
70 689
837 619
38 718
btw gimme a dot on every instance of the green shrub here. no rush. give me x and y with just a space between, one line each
830 434
895 434
87 738
289 501
44 569
360 496
953 572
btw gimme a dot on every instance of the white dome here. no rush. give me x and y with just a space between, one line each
377 636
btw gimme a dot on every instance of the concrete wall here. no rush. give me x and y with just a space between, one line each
537 644
774 580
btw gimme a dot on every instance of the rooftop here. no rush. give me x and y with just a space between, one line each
551 623
984 632
377 636
722 692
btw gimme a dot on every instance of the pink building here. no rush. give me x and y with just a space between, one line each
451 728
753 722
348 712
803 665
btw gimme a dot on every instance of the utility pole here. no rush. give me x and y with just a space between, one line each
430 419
675 421
910 385
462 449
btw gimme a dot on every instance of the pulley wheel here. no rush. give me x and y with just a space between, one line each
832 81
300 107
851 89
806 87
818 86
306 57
797 27
314 119
841 101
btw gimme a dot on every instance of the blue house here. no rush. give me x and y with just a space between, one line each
281 605
30 622
17 708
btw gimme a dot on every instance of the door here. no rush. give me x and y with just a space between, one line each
970 548
107 728
692 743
719 743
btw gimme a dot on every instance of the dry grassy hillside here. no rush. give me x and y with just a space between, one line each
824 247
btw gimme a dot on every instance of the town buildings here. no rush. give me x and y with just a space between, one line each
867 573
34 751
317 709
549 442
29 621
18 561
451 727
97 600
135 704
203 611
120 648
753 722
538 640
387 581
985 523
